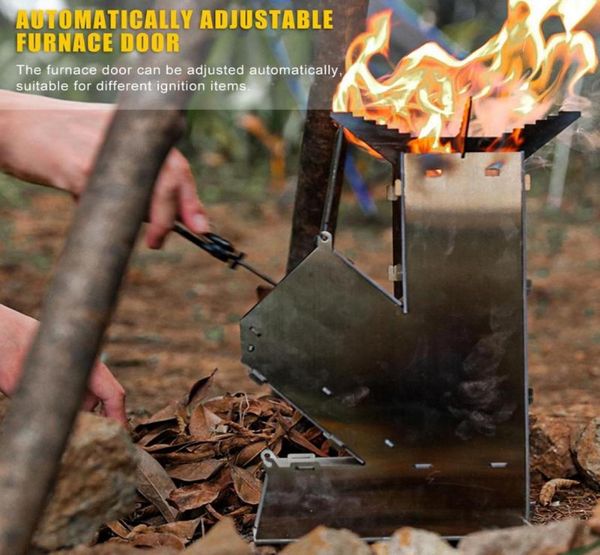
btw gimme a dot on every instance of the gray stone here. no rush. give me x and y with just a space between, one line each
325 541
223 539
409 541
550 442
96 484
587 453
551 539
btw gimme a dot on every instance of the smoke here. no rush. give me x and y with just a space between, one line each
584 135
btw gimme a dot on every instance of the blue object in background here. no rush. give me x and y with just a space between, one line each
411 31
359 186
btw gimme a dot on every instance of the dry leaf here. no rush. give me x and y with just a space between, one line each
164 415
300 440
246 485
184 529
224 479
243 510
199 390
155 484
195 472
550 488
212 511
199 453
203 422
192 497
118 528
164 434
250 452
222 406
157 539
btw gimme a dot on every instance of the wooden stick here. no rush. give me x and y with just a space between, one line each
76 313
319 131
82 295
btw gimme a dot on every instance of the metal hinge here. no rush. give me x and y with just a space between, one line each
395 273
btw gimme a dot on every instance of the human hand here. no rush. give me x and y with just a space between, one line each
16 334
55 143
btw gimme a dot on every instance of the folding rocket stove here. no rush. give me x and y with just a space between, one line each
426 389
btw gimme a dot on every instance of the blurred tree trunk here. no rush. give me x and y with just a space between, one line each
319 131
76 312
83 292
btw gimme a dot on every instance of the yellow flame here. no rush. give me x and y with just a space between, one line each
514 79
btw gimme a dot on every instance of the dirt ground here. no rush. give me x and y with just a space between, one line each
179 309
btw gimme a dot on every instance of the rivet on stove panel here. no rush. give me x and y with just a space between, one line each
498 464
251 348
437 172
327 391
255 331
389 443
423 466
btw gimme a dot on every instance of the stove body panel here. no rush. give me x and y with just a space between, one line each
426 389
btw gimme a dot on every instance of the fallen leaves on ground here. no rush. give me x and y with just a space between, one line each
200 462
550 488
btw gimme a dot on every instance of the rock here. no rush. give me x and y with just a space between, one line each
223 539
594 521
550 444
587 453
114 549
552 539
96 484
325 541
409 541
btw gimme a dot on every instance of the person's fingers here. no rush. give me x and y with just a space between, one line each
175 179
163 210
175 195
90 402
191 210
110 393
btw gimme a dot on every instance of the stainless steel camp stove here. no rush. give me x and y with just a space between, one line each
426 388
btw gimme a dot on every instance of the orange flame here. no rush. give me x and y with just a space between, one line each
513 79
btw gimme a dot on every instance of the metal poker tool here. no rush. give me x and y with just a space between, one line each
221 249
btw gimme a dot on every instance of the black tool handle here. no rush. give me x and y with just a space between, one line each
213 244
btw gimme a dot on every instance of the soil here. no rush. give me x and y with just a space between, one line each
179 309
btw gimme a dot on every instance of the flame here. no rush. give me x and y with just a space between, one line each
513 79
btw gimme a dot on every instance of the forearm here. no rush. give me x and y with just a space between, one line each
55 143
48 141
17 112
10 104
16 333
